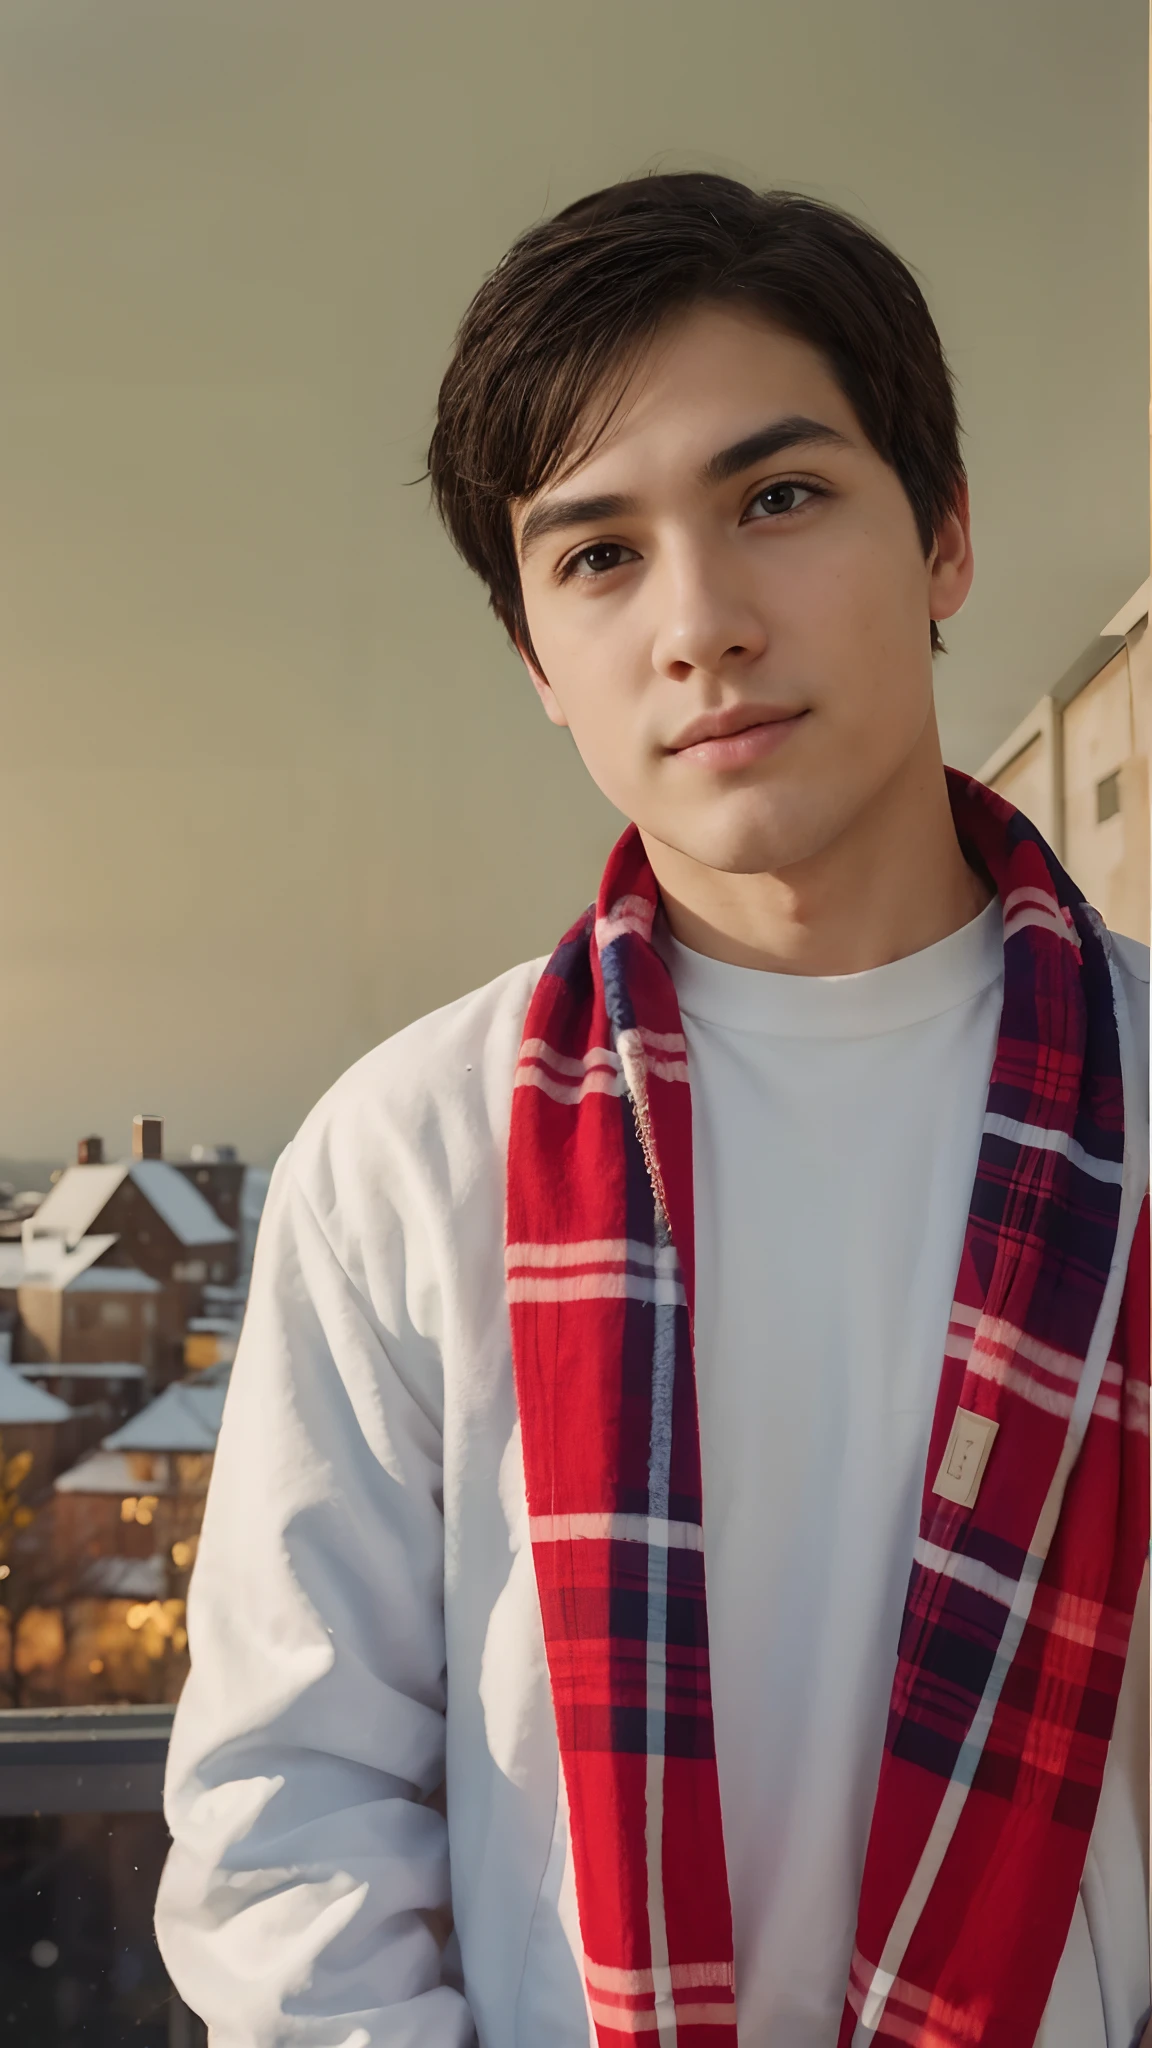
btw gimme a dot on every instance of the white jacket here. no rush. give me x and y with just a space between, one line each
363 1616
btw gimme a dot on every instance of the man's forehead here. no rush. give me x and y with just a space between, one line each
711 378
706 363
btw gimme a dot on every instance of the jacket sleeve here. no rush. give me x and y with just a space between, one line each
306 1895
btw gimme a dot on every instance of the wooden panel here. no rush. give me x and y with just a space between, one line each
1106 821
1026 782
1129 900
1140 682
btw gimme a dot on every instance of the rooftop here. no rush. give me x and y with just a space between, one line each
54 1369
185 1417
50 1259
106 1472
126 1578
217 1375
21 1402
50 1262
82 1192
104 1280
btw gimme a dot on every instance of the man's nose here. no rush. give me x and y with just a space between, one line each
703 620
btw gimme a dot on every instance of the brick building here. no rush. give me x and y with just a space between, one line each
154 1217
219 1175
142 1491
80 1309
110 1390
32 1420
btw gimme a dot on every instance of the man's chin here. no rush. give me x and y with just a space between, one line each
760 846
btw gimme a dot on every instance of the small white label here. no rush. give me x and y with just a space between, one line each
962 1466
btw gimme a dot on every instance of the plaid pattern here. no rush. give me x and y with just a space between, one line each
1019 1608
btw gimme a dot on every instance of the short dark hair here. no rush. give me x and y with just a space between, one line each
577 296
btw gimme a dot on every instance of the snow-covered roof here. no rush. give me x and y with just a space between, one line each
126 1578
186 1417
184 1209
217 1375
253 1189
73 1205
54 1369
49 1260
21 1402
93 1279
53 1262
80 1258
109 1280
106 1472
229 1302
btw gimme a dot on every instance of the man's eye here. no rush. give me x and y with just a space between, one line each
776 499
598 559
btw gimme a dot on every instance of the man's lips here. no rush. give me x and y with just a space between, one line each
731 739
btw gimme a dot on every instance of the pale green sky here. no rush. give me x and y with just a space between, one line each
271 783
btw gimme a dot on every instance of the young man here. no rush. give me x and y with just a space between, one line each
672 1555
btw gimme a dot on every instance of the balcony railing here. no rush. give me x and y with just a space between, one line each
83 1759
81 1849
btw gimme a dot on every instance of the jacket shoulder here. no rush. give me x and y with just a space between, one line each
1133 958
1131 961
439 1091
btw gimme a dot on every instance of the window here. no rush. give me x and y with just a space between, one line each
193 1270
115 1315
1108 797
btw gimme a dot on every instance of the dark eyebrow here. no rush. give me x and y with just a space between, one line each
557 514
766 442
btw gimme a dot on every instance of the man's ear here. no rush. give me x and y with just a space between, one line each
950 565
542 687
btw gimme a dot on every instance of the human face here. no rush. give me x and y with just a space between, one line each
730 604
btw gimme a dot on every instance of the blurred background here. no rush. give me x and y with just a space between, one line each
271 783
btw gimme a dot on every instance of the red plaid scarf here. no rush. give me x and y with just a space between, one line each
1019 1607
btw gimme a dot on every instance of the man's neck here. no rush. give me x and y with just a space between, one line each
895 882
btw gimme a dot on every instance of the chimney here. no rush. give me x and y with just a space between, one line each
90 1152
147 1137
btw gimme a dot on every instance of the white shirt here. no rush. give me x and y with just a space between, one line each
364 1622
836 1127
